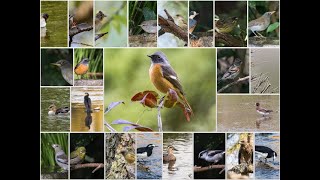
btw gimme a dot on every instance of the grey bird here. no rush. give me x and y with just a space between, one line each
99 20
261 23
60 157
66 70
192 22
149 26
212 156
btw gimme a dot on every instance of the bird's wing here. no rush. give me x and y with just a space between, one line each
62 158
77 65
169 74
213 152
140 150
232 69
254 22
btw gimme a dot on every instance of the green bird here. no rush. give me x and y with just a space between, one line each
226 25
78 155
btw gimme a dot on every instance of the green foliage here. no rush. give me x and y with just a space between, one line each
273 27
95 57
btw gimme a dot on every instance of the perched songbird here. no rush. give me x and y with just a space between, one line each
265 152
143 152
66 70
78 156
212 156
245 153
87 102
60 157
261 23
60 111
232 72
165 78
82 67
226 25
262 111
128 156
181 22
192 22
169 156
149 26
43 20
99 20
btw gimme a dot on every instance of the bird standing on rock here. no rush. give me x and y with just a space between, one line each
261 23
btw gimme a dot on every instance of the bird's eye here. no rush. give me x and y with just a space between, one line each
158 57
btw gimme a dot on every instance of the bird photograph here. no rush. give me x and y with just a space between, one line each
176 35
86 156
253 113
239 155
267 155
111 23
53 24
164 72
55 109
149 156
88 67
56 67
200 24
54 156
143 23
233 71
120 155
263 25
209 156
230 23
86 109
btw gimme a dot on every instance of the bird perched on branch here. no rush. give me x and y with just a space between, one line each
212 156
232 72
245 153
77 156
100 19
43 20
144 152
262 111
66 70
60 157
181 22
192 23
261 23
226 25
265 152
60 111
169 156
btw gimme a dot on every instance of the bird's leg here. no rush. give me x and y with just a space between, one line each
260 34
254 33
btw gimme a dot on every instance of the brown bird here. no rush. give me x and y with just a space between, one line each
128 156
245 153
261 23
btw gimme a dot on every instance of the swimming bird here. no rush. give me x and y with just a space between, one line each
261 23
87 102
99 20
262 111
66 70
169 156
54 111
265 152
60 156
212 156
43 20
144 152
78 155
245 154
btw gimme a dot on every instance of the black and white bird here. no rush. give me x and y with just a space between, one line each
264 152
143 152
212 156
87 102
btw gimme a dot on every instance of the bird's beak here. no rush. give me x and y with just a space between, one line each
272 12
149 56
56 64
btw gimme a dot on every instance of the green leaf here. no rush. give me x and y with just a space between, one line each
272 27
148 14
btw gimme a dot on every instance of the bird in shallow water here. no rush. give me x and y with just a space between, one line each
66 70
169 156
43 20
144 152
60 111
60 157
128 156
261 23
87 102
265 152
262 111
212 156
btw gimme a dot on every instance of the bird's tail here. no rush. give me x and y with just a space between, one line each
187 105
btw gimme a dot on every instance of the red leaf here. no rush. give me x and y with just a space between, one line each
171 99
146 98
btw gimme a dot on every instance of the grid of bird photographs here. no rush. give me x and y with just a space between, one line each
160 89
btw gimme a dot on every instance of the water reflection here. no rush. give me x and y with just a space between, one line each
88 120
259 120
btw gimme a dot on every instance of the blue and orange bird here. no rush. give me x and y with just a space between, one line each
82 67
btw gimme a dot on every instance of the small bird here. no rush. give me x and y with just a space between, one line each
87 102
82 67
212 156
43 20
192 22
149 26
265 152
181 22
60 111
128 156
165 78
99 20
169 156
261 23
262 111
60 157
144 152
245 153
226 25
232 72
78 155
66 70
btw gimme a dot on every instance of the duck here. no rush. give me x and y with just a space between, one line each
144 152
43 20
169 156
262 111
212 156
265 152
54 111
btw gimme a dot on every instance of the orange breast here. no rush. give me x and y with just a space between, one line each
81 69
158 80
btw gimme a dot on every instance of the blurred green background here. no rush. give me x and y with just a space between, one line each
95 61
205 10
116 24
50 74
127 73
141 11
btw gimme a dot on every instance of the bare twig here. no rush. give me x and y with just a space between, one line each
98 36
233 83
88 165
159 113
109 126
201 169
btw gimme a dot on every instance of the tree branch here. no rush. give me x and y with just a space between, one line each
159 113
88 165
201 169
228 40
233 83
